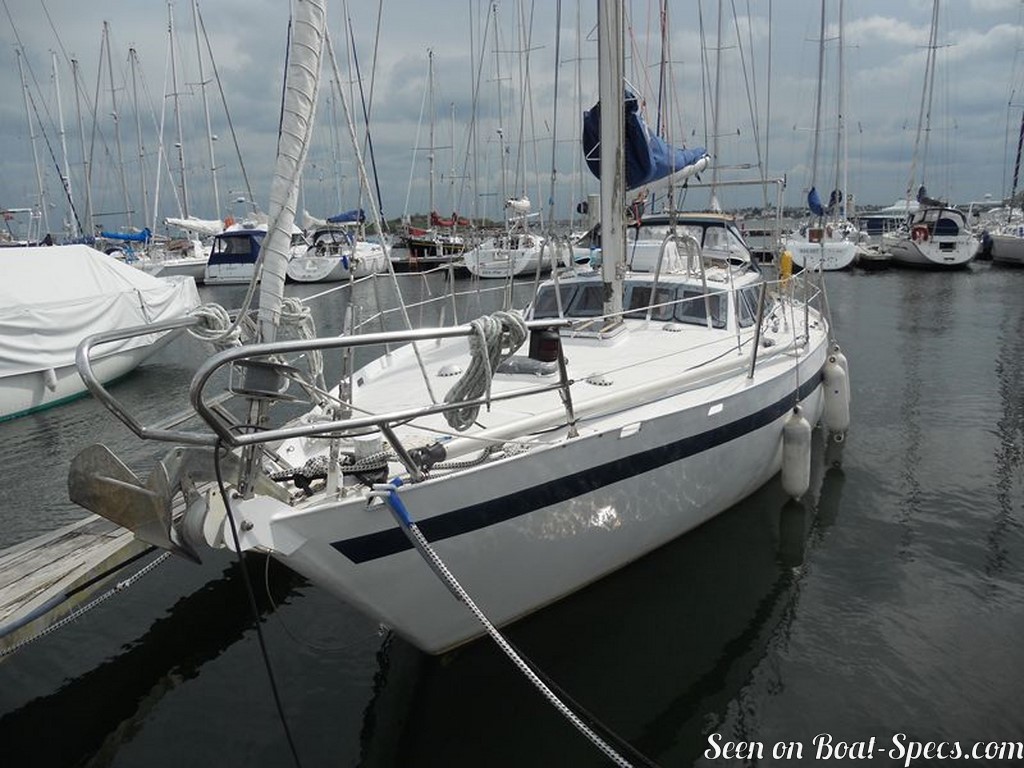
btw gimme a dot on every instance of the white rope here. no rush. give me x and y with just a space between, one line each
389 493
217 327
296 315
496 338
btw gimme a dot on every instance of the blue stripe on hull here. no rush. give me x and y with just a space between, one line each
371 546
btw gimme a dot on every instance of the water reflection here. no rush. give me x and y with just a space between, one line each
112 699
656 652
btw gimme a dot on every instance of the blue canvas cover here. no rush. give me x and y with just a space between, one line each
649 157
138 237
814 202
356 214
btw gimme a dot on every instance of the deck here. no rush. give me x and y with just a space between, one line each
45 579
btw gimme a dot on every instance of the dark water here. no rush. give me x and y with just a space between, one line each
889 601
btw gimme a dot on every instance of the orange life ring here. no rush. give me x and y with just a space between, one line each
919 234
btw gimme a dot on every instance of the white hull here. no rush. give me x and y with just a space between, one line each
526 530
24 393
194 267
53 298
935 237
945 252
228 274
1008 249
313 267
495 258
830 255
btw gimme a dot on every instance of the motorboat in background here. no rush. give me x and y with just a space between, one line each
42 320
236 250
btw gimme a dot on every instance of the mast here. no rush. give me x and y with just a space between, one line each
430 153
206 108
41 200
1016 165
817 99
501 132
715 113
133 57
86 165
611 69
117 126
177 112
843 139
923 116
65 178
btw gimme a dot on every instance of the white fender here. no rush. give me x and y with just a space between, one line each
836 415
796 454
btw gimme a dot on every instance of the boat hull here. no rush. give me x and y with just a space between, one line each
25 393
941 253
1008 249
493 259
187 267
830 255
313 267
527 530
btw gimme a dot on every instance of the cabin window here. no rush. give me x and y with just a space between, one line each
239 247
746 305
638 298
546 304
588 301
693 308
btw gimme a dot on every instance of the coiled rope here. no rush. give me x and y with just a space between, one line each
496 338
389 492
217 328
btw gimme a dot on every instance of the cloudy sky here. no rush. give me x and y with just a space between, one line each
516 75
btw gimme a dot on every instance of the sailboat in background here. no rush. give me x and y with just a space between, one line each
1007 238
829 240
441 241
936 234
522 455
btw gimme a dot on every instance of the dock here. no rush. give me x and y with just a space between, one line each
46 579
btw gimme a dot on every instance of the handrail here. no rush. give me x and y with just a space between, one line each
83 361
224 429
211 413
295 346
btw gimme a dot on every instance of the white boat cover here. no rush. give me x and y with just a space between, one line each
202 227
53 297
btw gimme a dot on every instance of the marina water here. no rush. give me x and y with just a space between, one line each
885 609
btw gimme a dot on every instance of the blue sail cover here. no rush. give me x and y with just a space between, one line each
648 156
356 214
139 237
814 202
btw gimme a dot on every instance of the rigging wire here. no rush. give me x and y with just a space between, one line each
251 595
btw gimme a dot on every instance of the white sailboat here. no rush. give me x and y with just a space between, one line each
338 250
651 399
935 234
829 240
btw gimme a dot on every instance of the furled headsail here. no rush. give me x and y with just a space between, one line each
649 158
